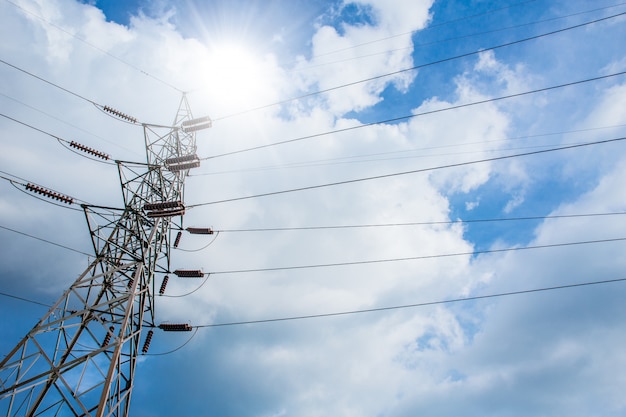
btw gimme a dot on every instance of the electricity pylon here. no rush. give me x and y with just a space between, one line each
80 358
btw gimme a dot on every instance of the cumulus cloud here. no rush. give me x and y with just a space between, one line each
353 51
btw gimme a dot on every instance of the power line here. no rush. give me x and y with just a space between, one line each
410 116
354 226
49 83
420 45
350 158
465 55
424 304
95 47
105 109
48 192
44 240
187 293
377 309
415 258
181 91
66 123
64 142
32 127
56 86
414 171
173 350
24 299
426 28
358 159
461 221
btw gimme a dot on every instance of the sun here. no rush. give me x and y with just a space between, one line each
237 75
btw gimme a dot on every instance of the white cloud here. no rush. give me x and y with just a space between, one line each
345 50
471 205
515 202
554 335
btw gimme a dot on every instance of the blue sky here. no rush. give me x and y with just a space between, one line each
551 353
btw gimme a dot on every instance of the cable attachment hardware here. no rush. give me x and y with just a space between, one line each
189 273
119 114
48 193
165 209
88 150
199 230
200 123
182 163
171 327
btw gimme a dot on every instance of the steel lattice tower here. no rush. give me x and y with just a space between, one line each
80 358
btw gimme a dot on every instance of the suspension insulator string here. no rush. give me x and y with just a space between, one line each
49 193
89 150
119 114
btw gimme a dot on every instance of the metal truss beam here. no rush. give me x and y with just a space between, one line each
80 358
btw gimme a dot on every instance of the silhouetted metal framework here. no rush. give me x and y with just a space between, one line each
80 358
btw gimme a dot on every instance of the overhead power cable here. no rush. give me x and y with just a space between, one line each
95 47
94 154
188 293
414 115
426 28
105 109
424 304
45 240
359 158
29 188
67 123
415 258
440 61
350 160
460 221
50 83
173 350
414 171
413 46
28 300
217 233
379 309
355 226
455 38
